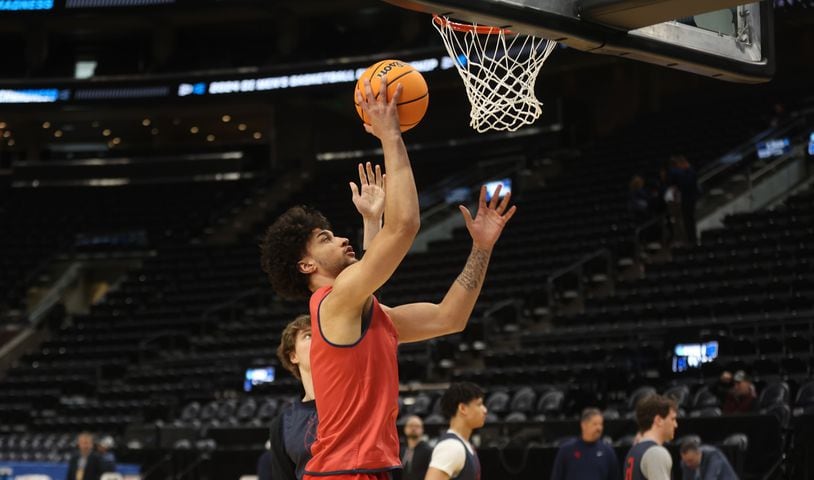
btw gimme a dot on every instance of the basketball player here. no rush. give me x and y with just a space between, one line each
294 430
648 459
353 349
453 456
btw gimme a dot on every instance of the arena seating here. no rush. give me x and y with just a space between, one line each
170 344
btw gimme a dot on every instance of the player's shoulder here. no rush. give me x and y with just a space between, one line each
658 453
450 444
603 445
569 442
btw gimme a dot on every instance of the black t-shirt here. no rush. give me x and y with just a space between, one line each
292 434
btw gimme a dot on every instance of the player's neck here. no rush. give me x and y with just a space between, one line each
319 280
307 385
653 435
460 427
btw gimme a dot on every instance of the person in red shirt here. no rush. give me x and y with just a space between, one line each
354 343
742 398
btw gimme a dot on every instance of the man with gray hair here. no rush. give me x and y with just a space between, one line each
86 464
587 457
704 462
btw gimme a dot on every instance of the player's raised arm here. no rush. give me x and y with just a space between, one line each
420 321
368 198
356 283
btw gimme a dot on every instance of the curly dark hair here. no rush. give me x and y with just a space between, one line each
284 245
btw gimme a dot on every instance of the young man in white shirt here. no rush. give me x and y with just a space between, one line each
454 457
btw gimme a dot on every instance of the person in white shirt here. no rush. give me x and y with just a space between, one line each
454 457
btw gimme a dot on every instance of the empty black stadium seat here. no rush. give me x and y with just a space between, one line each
774 394
498 402
704 398
515 417
524 400
422 406
245 412
738 440
551 403
798 343
804 400
679 393
191 412
435 419
639 394
779 410
706 412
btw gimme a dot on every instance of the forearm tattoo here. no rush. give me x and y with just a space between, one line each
474 270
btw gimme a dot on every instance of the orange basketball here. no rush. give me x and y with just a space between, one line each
414 97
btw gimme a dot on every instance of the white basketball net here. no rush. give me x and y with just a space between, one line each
499 70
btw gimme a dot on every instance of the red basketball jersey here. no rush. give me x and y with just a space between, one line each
356 388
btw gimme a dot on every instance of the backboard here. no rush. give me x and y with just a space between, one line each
716 38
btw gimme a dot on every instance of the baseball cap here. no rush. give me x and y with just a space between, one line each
740 376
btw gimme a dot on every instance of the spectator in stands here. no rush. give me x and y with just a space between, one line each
704 462
638 202
722 387
648 459
682 177
742 398
85 464
779 114
454 456
354 347
587 457
660 205
415 452
294 430
103 447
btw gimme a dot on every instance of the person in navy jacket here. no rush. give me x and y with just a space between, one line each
587 457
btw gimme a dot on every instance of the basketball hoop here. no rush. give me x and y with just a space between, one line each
499 68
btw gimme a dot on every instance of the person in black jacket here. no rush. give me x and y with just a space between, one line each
294 430
682 177
264 463
86 464
415 452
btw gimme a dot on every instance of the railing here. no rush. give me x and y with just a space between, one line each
577 269
489 315
742 157
440 208
746 150
229 304
55 293
205 321
638 241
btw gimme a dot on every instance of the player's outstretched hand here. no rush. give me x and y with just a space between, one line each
490 219
381 112
369 196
